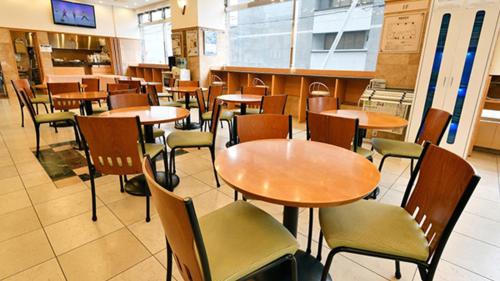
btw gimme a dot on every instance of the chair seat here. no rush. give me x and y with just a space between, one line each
253 110
171 103
226 115
54 117
165 95
364 152
395 147
152 149
189 139
99 110
241 238
373 226
156 132
40 99
320 93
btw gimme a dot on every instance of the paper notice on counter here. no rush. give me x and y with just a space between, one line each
45 48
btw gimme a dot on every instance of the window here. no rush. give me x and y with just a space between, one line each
302 33
156 36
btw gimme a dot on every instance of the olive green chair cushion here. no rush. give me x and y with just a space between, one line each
395 147
171 103
152 149
40 99
364 152
373 226
189 139
241 238
54 117
156 132
99 110
225 116
253 110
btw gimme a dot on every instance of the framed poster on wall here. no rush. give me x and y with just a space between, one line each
402 33
177 44
192 43
210 43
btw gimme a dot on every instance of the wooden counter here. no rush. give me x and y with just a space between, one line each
346 85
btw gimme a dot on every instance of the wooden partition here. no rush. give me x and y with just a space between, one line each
150 72
346 85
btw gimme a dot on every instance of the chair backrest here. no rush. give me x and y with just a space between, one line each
25 100
216 109
273 104
201 101
127 100
170 82
254 90
188 83
435 123
335 130
180 224
263 126
133 84
445 184
153 95
319 104
92 84
61 88
213 92
111 143
122 92
111 87
216 80
258 82
318 89
22 84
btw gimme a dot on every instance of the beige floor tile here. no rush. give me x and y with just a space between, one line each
47 271
18 222
49 191
345 269
35 179
392 197
383 267
14 201
450 272
210 201
104 180
103 258
479 228
110 192
8 172
10 184
5 160
194 166
76 231
60 209
208 177
190 187
131 209
148 270
68 181
150 234
23 252
485 208
28 167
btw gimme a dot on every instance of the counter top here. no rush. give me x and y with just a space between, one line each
78 64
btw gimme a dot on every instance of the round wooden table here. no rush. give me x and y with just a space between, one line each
187 92
297 173
44 86
86 97
370 120
243 100
149 116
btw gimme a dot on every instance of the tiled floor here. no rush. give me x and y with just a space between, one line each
46 232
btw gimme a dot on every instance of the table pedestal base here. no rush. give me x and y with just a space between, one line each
137 185
309 269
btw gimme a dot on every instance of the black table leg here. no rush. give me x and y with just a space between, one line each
243 111
88 107
243 108
290 219
148 134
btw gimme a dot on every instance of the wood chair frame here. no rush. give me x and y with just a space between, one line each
24 84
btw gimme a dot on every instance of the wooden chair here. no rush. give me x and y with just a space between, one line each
252 90
187 139
206 115
261 126
188 83
122 92
318 89
92 84
132 84
39 119
253 240
273 104
131 100
318 105
117 87
216 80
24 84
257 82
417 231
111 148
432 130
61 88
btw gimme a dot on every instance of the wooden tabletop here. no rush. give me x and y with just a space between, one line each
370 120
183 89
44 86
101 95
237 98
143 83
150 115
297 173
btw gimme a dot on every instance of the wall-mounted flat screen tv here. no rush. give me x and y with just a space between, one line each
74 14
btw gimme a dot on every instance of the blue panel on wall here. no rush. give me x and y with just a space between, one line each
466 73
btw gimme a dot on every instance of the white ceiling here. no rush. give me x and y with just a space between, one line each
132 4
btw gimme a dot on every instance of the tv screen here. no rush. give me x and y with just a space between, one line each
74 14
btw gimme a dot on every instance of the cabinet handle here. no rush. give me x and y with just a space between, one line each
444 81
451 82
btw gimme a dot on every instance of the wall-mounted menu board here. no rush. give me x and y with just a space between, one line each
402 33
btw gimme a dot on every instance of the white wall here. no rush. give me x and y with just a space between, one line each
37 15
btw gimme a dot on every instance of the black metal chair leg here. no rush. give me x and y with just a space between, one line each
46 109
212 153
36 107
169 262
310 230
92 189
22 116
77 136
148 217
398 270
295 272
320 246
121 184
37 131
411 166
328 264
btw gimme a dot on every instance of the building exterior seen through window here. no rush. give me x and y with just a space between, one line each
156 35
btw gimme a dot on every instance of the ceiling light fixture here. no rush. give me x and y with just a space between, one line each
182 4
